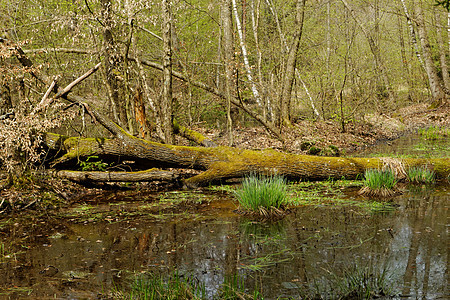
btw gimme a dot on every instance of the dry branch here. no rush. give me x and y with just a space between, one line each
67 89
45 102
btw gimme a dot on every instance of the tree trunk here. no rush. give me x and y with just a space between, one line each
375 52
222 163
112 64
442 51
412 34
285 48
245 56
166 101
435 86
140 176
290 65
228 49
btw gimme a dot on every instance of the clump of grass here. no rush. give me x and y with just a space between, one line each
355 282
234 288
264 196
362 282
156 287
379 183
420 175
433 133
151 286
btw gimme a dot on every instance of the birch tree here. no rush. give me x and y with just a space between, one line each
248 69
166 107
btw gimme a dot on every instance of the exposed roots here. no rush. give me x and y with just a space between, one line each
379 193
264 213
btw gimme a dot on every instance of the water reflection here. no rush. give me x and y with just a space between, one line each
280 259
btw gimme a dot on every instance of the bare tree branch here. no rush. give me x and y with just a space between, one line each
44 101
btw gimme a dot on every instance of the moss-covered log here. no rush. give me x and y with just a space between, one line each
192 135
97 176
226 162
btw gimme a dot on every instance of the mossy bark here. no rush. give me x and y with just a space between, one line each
226 162
192 135
97 176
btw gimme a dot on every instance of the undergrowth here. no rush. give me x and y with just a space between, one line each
433 133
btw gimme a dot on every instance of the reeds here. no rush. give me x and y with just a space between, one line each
263 195
150 286
155 287
379 183
420 175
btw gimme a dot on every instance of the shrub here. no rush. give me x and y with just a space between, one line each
263 194
21 126
420 175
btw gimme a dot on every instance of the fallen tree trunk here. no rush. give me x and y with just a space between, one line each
221 163
97 176
218 163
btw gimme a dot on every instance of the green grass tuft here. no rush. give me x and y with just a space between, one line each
149 286
262 193
379 183
420 175
377 179
152 286
433 133
354 282
362 282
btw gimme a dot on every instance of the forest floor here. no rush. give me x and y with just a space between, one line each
327 137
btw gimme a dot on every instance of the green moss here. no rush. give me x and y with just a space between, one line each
314 150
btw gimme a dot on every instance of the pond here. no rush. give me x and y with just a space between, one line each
98 247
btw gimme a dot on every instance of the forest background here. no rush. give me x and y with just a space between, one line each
167 66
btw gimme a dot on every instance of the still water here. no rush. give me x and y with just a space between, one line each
76 260
100 244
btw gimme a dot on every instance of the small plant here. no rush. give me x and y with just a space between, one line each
234 288
356 281
361 282
420 175
379 183
88 165
156 287
151 286
433 133
263 195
